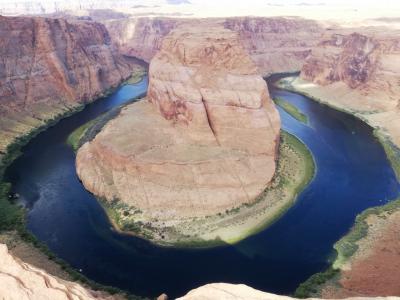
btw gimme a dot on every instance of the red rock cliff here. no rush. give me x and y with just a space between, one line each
275 44
359 72
48 66
352 59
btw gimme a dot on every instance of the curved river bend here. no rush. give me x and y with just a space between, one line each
352 175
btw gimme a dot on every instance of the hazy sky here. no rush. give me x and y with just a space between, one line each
353 3
322 9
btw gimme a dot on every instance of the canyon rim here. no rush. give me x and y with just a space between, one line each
202 160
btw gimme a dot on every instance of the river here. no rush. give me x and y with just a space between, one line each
352 174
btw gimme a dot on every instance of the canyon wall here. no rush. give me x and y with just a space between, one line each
203 142
141 37
358 72
48 67
278 44
275 44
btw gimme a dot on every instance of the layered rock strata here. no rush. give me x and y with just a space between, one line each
275 44
48 67
204 141
360 73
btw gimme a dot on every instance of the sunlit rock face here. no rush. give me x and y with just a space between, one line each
226 291
19 280
204 78
205 139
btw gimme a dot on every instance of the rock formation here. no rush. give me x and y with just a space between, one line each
358 72
275 44
355 64
141 37
22 281
19 280
225 291
49 66
203 142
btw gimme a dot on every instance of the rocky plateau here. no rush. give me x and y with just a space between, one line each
22 281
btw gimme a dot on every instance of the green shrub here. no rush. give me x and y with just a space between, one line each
310 287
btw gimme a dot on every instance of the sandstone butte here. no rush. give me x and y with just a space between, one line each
205 139
49 67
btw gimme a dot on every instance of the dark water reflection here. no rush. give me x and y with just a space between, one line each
352 175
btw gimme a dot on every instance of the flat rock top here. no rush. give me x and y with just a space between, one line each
19 280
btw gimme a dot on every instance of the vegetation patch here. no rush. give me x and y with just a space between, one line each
291 110
11 215
74 139
345 248
391 150
310 287
136 77
89 130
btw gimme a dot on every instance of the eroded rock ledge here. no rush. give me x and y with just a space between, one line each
204 141
225 291
19 280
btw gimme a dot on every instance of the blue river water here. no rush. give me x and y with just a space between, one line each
352 174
